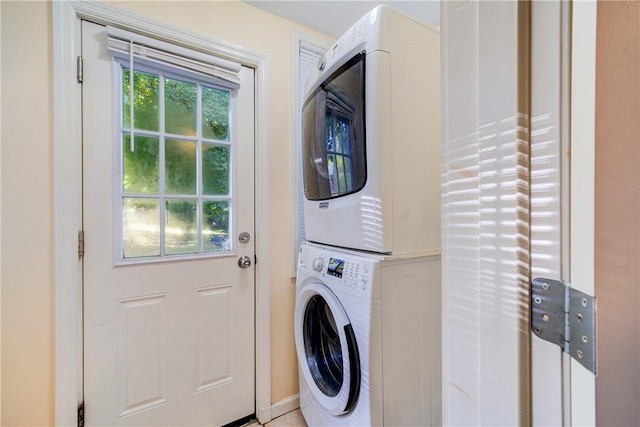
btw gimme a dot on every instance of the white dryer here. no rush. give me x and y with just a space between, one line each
371 138
367 333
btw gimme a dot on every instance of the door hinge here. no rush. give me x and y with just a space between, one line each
567 317
81 243
81 415
79 69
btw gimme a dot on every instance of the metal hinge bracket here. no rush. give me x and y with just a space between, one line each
79 69
81 415
567 317
80 243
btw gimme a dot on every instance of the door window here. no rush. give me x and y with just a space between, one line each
175 152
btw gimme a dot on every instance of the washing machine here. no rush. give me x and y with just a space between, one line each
368 340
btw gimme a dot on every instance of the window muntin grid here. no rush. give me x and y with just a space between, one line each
175 184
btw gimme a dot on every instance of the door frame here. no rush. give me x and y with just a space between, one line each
563 391
582 404
67 189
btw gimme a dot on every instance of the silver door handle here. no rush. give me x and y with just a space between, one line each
244 262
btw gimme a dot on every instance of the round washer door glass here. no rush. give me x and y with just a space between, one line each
322 346
327 349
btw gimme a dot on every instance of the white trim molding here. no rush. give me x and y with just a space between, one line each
67 177
285 406
584 25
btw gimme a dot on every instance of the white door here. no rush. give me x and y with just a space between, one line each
168 312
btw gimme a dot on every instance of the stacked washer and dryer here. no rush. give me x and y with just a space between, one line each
367 317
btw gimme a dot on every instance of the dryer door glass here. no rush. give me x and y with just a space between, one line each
333 134
322 346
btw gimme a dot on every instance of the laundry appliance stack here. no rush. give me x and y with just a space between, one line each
367 317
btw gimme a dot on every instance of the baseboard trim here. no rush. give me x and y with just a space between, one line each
285 405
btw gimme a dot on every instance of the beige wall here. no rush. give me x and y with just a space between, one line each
27 192
27 269
618 213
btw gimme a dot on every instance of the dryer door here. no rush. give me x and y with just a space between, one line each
327 349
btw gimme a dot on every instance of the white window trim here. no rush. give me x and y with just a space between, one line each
299 36
67 175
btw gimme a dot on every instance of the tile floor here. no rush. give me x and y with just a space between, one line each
290 419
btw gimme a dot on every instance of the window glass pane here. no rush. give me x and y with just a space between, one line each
215 114
180 107
146 114
180 166
338 143
342 176
347 173
343 138
179 216
215 226
140 164
141 227
215 170
181 227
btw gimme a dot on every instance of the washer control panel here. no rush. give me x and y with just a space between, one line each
345 271
351 273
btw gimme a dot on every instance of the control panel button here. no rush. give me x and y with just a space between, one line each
318 264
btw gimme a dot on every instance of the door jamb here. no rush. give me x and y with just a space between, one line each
67 188
583 106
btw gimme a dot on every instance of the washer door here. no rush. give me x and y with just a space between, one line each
327 349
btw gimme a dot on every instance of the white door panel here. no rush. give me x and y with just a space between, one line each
169 342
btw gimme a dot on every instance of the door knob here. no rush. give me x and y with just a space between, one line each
244 262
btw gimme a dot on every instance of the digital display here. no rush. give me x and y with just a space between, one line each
335 267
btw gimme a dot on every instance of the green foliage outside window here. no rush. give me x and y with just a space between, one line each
141 159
